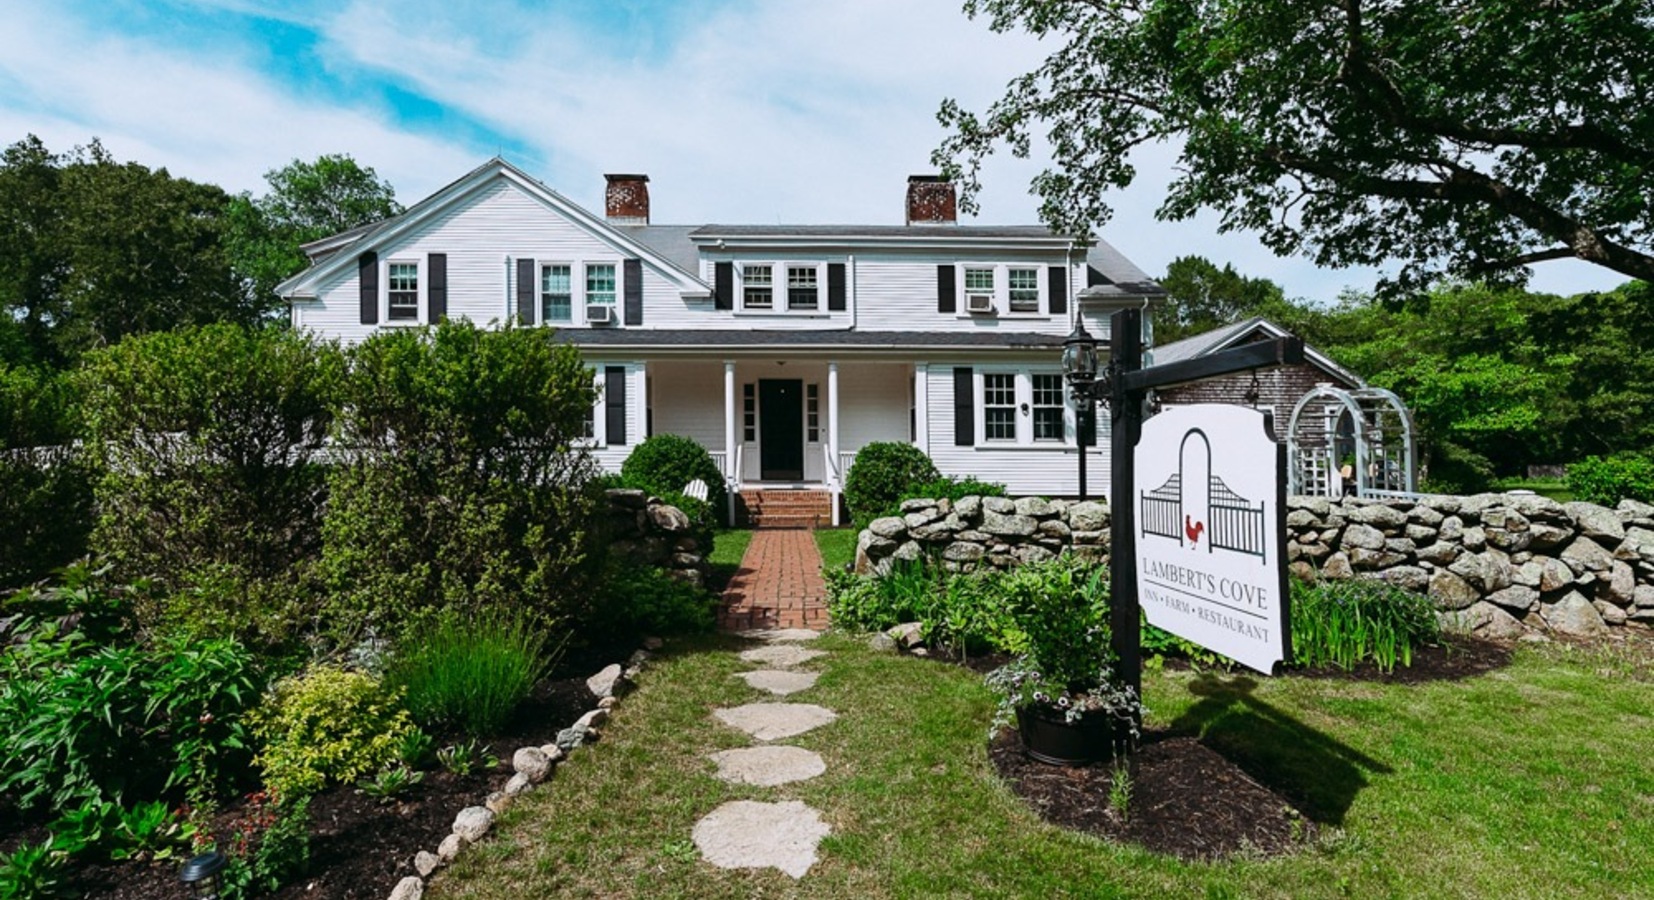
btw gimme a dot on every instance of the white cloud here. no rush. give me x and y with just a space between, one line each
204 117
748 112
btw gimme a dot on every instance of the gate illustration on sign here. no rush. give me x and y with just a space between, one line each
1225 520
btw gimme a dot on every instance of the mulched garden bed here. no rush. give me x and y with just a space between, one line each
360 848
1188 799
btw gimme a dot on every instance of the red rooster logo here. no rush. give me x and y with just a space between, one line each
1193 530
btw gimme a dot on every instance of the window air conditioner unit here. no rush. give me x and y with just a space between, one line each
979 303
600 314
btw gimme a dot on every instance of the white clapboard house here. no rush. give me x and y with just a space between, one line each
782 349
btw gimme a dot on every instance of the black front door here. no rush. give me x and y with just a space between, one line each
780 429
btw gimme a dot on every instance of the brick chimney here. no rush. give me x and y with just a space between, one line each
626 202
931 201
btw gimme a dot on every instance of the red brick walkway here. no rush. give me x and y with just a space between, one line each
778 585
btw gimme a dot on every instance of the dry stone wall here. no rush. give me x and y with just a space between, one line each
1497 565
646 531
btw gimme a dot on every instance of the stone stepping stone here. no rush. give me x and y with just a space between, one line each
778 682
773 721
767 766
781 635
783 655
745 834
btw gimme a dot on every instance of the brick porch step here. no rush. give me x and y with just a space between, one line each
787 508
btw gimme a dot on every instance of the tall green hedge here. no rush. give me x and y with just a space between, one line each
45 485
464 478
209 442
1606 480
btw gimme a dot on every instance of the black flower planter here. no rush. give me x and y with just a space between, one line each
1049 737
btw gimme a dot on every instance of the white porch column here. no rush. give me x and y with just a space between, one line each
921 406
832 435
732 478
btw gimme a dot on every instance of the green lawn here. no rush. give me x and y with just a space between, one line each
838 547
1531 781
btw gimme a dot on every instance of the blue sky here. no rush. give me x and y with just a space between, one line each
740 111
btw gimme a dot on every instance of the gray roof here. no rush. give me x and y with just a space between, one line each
962 232
670 241
637 337
1229 335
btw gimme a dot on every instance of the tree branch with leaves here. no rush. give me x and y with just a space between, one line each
1454 138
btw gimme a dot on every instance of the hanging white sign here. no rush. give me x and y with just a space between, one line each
1211 500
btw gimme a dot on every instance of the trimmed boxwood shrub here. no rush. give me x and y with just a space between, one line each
664 463
45 485
881 473
209 443
466 480
1606 481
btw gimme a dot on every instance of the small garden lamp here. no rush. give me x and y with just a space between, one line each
1079 367
201 874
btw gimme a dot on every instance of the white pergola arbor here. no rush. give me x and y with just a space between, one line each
1367 429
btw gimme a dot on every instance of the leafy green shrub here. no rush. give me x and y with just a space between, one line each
467 483
1344 623
269 849
208 440
857 602
638 600
104 830
32 871
468 671
84 718
948 488
327 725
881 473
963 613
664 463
1606 481
45 485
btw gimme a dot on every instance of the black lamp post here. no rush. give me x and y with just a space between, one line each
1079 367
201 875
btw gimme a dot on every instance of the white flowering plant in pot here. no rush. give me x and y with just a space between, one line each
1064 672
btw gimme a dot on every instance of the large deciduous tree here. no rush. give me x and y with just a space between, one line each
92 250
1449 136
306 201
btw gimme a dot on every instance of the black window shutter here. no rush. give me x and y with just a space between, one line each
835 287
1058 294
367 269
614 405
946 300
723 291
438 293
525 292
964 407
633 273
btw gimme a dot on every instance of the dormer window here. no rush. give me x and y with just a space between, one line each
403 281
757 287
802 287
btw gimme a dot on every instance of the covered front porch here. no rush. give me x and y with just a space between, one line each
775 424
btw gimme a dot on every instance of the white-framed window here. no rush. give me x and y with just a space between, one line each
402 291
1048 406
999 407
758 287
1023 290
601 284
1016 290
1023 407
557 293
812 413
803 288
749 412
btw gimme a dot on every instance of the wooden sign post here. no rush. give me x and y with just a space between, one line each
1129 387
